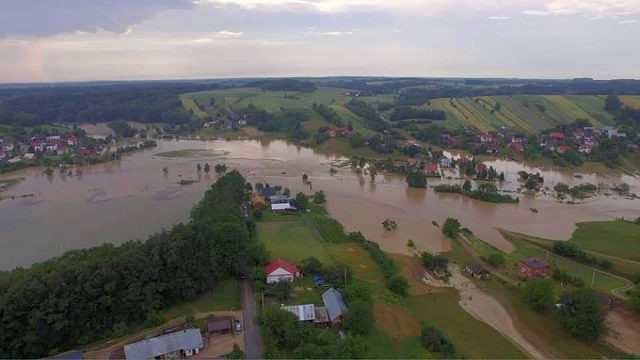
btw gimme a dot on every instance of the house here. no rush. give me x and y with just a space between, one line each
492 149
3 158
336 307
72 140
221 325
431 169
280 270
412 162
587 147
477 271
330 133
533 267
516 146
556 136
180 344
37 145
8 147
258 202
282 207
446 162
267 192
302 312
279 199
29 156
487 138
563 149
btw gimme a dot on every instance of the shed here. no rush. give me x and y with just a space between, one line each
178 344
220 325
322 316
282 207
336 307
476 270
258 202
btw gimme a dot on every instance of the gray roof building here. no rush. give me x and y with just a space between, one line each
336 307
185 340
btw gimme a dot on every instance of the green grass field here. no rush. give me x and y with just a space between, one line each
224 297
525 248
615 238
293 242
631 101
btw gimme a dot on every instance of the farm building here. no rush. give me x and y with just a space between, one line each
533 267
181 344
282 207
476 270
302 312
220 325
336 307
280 270
258 202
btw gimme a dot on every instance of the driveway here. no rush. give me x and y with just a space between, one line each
252 340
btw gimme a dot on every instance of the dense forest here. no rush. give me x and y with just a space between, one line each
145 102
83 295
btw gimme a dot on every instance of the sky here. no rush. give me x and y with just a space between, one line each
82 40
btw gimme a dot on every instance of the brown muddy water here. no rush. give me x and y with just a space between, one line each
130 198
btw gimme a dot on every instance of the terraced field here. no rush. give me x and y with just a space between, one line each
529 113
276 101
631 101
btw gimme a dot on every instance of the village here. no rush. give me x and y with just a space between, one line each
71 148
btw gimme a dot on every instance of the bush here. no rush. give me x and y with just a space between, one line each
258 215
433 262
398 285
311 266
435 341
538 293
120 329
154 318
496 260
236 353
319 197
357 291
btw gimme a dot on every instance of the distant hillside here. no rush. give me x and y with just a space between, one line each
285 85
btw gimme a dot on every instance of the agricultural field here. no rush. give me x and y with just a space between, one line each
397 320
615 238
224 297
528 113
525 247
631 101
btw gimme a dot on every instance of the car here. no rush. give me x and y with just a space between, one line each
238 325
243 275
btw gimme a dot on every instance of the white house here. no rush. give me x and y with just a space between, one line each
280 270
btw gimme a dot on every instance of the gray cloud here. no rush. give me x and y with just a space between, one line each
47 17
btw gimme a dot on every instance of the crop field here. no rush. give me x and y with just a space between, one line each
631 101
292 241
528 113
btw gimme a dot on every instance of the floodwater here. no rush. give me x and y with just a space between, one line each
131 198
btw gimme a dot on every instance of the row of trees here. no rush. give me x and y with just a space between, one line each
84 295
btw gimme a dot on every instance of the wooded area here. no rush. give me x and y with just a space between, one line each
83 295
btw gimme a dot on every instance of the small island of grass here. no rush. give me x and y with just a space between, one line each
486 192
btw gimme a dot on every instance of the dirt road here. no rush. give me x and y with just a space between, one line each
485 308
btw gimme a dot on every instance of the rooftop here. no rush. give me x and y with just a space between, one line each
534 263
336 307
182 340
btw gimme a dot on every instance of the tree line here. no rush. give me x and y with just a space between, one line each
91 103
86 295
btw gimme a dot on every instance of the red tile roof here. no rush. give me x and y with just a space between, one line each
279 263
563 149
431 167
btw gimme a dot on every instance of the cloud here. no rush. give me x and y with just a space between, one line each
499 17
45 17
328 33
226 33
589 8
630 21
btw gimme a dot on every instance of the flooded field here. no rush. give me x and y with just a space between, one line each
130 198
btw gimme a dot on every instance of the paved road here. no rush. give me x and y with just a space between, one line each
252 340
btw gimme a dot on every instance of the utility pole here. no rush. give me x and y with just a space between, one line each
593 278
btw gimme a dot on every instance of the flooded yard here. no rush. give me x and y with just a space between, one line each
130 198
